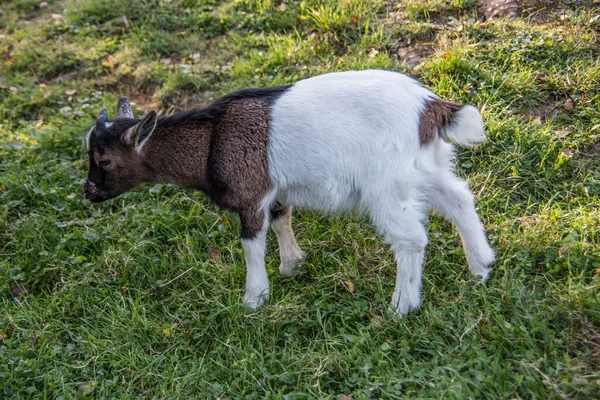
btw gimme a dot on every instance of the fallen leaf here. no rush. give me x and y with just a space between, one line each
71 92
350 286
43 4
354 21
57 17
17 290
562 134
343 397
377 321
214 253
282 7
542 77
125 22
181 34
111 62
569 105
7 333
40 122
14 89
373 53
567 153
86 387
597 271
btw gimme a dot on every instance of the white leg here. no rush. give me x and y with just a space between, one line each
254 240
257 281
452 197
289 251
401 223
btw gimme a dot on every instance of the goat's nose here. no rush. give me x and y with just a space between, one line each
90 187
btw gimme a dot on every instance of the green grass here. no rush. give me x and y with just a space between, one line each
123 300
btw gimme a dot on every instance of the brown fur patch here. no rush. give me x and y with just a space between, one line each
179 154
436 115
221 150
226 158
237 165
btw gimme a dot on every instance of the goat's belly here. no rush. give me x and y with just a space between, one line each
325 198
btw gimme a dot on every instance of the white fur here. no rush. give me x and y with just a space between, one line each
107 125
257 281
88 136
349 142
467 130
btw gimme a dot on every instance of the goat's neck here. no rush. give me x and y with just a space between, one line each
179 155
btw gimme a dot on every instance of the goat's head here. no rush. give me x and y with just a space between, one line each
115 148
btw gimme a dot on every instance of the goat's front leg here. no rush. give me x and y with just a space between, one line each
289 252
254 240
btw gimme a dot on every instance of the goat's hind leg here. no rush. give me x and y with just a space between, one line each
402 225
451 196
289 251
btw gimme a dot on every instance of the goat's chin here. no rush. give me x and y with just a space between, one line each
100 197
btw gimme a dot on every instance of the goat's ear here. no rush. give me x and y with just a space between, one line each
124 108
139 134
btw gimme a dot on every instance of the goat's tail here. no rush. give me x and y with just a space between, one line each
461 124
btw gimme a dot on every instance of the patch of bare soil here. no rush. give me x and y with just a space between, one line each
499 8
543 112
413 54
542 12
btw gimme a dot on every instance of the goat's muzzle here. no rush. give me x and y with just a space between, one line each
90 189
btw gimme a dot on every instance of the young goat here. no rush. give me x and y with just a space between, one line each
373 142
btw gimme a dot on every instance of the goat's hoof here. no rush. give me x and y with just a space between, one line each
482 274
402 305
255 298
286 269
479 268
479 263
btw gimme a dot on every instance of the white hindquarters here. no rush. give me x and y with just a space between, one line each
350 142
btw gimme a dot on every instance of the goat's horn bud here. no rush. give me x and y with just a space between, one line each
124 108
102 117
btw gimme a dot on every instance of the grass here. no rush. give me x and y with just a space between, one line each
140 297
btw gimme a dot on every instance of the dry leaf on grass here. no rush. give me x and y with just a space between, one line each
350 286
17 290
214 253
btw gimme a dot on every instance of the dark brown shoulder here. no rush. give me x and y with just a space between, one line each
436 116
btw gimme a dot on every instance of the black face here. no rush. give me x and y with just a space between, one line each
115 165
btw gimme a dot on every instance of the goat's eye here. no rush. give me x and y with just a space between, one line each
104 163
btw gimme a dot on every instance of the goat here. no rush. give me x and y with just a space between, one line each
373 142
